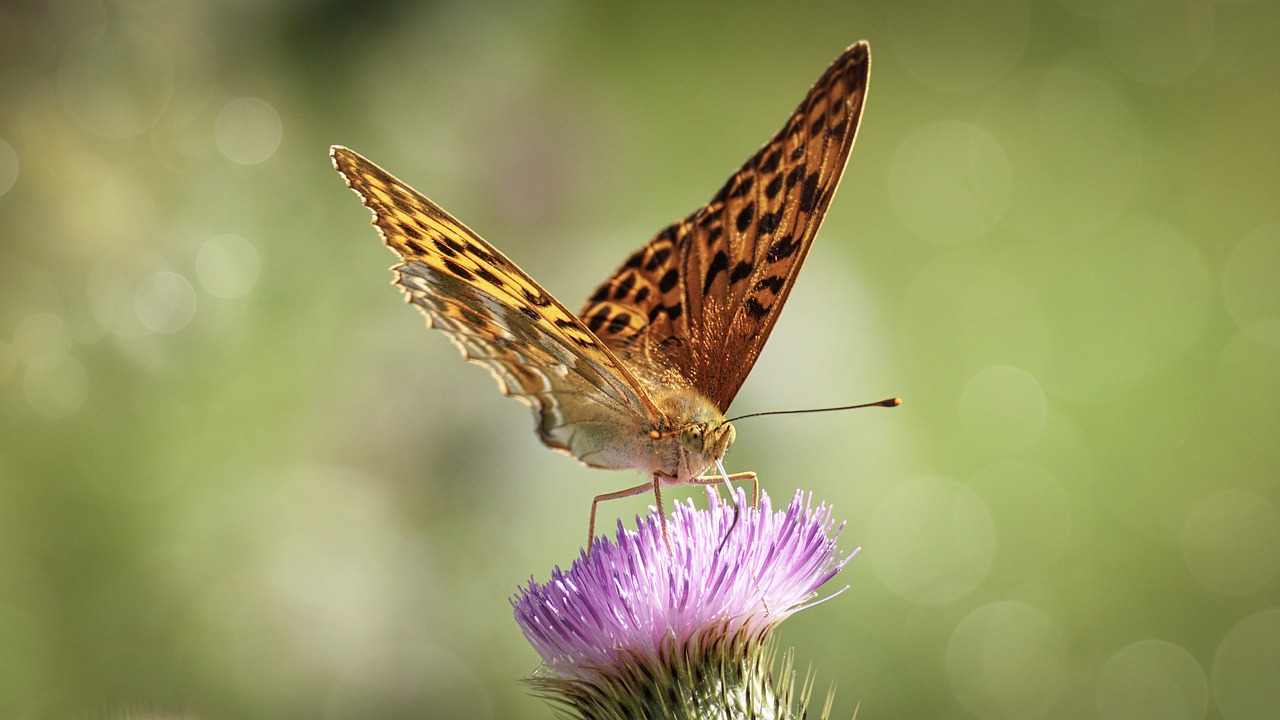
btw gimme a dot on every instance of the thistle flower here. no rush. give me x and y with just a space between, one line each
639 630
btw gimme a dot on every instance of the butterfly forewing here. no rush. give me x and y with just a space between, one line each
698 302
499 317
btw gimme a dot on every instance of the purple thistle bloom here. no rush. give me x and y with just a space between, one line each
636 613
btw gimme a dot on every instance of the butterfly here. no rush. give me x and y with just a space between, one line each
642 376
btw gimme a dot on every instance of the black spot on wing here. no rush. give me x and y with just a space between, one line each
623 288
719 264
745 217
743 187
740 271
771 162
457 270
461 249
669 280
672 311
782 249
755 309
769 222
774 187
795 176
619 323
773 283
445 248
656 259
597 320
809 194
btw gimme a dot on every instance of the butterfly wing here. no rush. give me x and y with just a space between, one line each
580 394
701 298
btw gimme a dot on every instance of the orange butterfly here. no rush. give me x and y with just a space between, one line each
642 377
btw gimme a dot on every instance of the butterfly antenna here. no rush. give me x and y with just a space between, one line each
887 402
737 507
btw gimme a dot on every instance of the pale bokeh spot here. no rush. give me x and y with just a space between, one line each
117 82
1250 286
39 334
1152 680
8 360
1230 541
55 385
248 130
112 290
165 302
1075 150
1003 408
931 540
1159 43
227 266
960 47
1173 285
1007 660
8 167
1031 512
1246 667
950 182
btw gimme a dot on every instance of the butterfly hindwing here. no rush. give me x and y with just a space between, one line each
499 317
701 298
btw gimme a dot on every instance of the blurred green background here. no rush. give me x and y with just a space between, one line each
238 479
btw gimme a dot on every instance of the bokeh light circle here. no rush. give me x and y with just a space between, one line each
8 167
248 130
1007 660
1003 408
1159 43
1250 286
960 47
227 266
1031 512
165 302
950 182
39 334
8 360
1152 680
1246 667
1075 149
55 385
117 82
931 540
1172 282
1230 541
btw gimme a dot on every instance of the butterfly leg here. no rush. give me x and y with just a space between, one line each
716 479
642 487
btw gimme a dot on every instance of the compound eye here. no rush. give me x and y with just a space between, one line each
691 438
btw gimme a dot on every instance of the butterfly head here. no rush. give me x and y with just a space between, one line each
708 440
697 435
